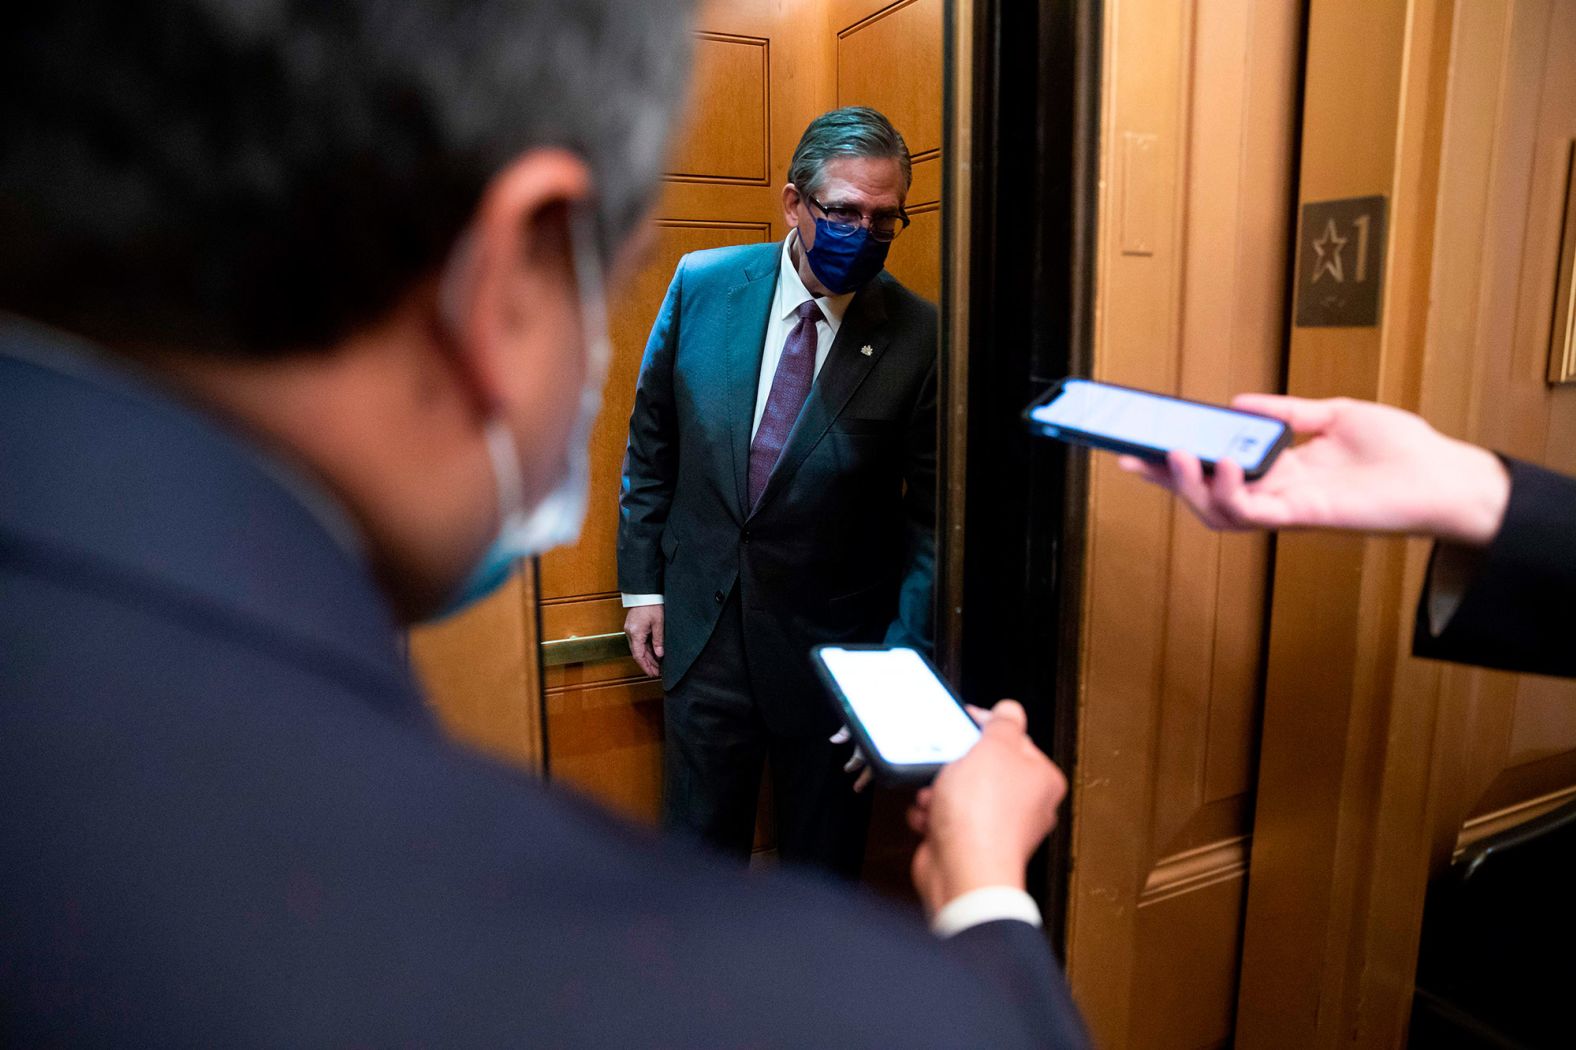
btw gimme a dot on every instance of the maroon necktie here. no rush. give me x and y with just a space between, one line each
790 386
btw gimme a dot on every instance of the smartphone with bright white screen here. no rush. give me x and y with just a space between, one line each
902 714
1121 419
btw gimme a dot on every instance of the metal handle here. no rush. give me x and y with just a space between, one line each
589 649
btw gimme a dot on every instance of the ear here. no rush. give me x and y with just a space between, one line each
792 198
511 291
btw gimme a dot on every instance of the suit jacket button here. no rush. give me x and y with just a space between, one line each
746 535
718 596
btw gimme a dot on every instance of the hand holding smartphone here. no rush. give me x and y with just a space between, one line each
905 719
1140 423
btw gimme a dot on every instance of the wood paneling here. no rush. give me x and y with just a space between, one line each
1199 117
727 134
926 188
916 256
481 674
889 57
1376 766
1315 954
607 742
1513 103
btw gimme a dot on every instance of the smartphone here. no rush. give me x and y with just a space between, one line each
1121 419
906 720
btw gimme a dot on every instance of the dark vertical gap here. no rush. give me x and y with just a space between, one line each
535 569
1036 99
1079 194
943 596
1288 312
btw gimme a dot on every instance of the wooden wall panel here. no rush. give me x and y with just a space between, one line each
1322 954
915 258
481 676
727 134
889 57
607 742
1376 766
1199 117
1189 999
1510 740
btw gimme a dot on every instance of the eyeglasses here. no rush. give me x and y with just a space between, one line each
884 226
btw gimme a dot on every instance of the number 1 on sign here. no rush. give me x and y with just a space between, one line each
1361 222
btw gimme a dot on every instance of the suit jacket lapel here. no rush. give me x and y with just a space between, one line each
749 306
846 366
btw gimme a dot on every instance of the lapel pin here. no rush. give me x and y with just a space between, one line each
867 350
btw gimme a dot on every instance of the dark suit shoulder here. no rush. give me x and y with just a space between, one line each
904 301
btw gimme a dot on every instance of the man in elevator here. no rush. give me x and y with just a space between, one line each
301 325
778 492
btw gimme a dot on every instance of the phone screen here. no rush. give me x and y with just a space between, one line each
1162 423
905 709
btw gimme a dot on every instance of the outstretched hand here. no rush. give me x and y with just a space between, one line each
1365 467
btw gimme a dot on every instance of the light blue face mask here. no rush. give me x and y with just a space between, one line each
526 531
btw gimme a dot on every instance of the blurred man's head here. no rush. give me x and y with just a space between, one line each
350 225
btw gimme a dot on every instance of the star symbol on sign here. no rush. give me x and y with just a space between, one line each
1327 250
867 350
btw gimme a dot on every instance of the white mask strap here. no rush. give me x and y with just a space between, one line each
506 469
592 291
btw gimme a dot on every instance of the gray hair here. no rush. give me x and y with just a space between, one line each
853 131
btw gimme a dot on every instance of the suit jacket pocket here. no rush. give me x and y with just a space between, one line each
855 425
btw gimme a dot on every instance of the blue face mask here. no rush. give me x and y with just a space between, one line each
845 258
526 531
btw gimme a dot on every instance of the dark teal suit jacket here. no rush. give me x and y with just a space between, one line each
841 546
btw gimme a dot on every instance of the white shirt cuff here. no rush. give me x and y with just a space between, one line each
986 904
632 600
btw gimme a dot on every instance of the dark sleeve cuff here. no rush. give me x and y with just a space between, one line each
1517 605
1015 957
